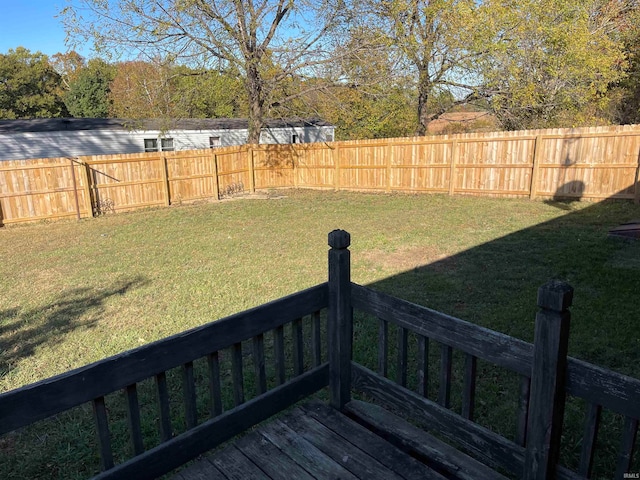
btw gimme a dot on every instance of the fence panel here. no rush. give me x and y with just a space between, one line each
127 182
234 172
420 166
316 165
593 165
500 166
40 189
362 166
191 175
273 166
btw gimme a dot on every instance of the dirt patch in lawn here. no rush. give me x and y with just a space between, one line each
408 258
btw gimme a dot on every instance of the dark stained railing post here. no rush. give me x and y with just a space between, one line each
340 319
547 398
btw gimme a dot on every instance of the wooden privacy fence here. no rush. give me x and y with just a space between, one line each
592 163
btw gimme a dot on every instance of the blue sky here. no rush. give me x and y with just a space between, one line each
32 24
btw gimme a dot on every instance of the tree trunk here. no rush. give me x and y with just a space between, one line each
255 93
423 95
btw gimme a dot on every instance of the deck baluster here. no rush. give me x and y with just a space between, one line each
215 390
298 347
133 418
258 364
591 426
625 454
278 346
383 347
316 339
102 430
163 407
446 361
189 392
403 354
523 410
423 365
469 389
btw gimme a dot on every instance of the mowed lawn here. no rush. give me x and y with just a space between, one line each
75 292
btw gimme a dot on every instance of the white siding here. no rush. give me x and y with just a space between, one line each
18 146
305 134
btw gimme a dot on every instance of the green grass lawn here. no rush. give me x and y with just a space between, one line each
75 292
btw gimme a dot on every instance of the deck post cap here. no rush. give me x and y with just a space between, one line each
555 295
339 239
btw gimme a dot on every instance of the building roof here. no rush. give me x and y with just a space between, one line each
73 124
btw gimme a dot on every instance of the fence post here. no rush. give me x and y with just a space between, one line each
389 156
537 147
75 188
636 198
294 165
336 161
86 180
252 178
452 171
165 178
340 318
216 183
547 397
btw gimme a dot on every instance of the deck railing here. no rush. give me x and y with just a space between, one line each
124 372
548 377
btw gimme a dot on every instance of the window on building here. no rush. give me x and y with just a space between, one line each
329 137
214 142
167 144
150 144
295 138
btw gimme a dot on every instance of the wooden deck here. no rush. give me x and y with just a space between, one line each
311 442
316 441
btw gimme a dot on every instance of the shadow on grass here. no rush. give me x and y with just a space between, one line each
22 331
495 284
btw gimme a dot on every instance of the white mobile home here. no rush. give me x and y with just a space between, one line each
73 137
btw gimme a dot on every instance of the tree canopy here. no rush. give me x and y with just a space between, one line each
373 68
29 86
553 63
266 41
88 92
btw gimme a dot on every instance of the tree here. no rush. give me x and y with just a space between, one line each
158 90
29 86
210 94
88 92
142 90
67 65
553 64
439 43
534 62
625 94
244 35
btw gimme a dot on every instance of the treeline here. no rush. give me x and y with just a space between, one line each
374 69
68 85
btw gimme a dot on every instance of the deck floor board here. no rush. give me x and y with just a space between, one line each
392 457
269 458
310 442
